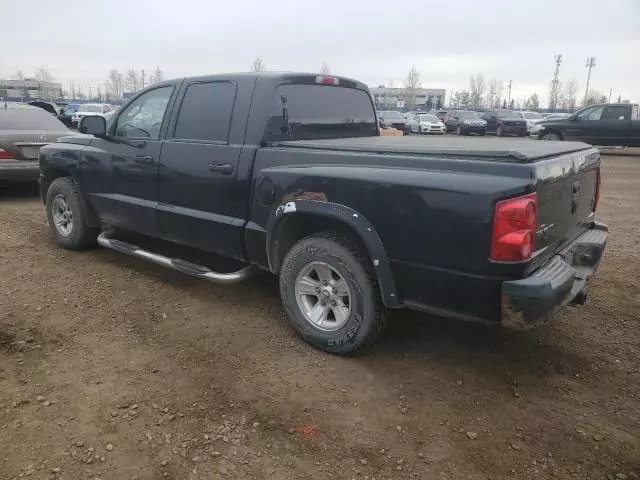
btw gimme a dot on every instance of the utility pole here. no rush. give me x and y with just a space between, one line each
90 96
142 78
509 101
591 62
73 90
610 90
555 89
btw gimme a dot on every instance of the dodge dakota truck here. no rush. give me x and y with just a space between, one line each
220 176
613 124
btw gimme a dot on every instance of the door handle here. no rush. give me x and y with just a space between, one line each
144 159
223 168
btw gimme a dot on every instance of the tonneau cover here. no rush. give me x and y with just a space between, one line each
507 149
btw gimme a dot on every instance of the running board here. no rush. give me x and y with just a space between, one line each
176 263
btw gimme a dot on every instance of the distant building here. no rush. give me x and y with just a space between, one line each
422 98
29 88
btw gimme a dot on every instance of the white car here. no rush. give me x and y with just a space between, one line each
427 123
531 118
92 109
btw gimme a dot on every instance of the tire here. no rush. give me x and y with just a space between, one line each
499 131
75 233
483 133
420 130
366 315
459 131
552 136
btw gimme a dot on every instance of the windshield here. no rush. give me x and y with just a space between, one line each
392 115
508 114
29 119
91 108
469 115
72 107
532 115
429 118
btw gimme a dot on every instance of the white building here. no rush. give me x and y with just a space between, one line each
387 97
30 88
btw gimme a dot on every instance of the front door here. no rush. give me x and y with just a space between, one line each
634 131
197 190
601 125
121 169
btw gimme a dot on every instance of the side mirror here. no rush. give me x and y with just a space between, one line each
93 125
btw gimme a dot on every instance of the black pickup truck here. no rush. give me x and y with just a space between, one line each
287 173
612 124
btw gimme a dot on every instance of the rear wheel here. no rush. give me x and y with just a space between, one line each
66 216
500 131
482 133
329 291
459 130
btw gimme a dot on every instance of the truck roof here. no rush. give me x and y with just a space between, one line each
518 150
276 77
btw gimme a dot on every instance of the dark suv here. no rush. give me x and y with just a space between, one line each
505 122
463 122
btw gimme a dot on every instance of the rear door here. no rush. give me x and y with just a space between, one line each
199 204
614 125
634 131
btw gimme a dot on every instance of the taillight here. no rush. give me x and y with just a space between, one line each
4 155
514 229
327 80
596 197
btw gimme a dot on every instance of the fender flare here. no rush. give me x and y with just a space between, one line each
352 219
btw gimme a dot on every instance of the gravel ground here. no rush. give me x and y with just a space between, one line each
112 368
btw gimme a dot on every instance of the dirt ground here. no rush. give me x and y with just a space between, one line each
112 368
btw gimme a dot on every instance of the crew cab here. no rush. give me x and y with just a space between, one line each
220 176
610 124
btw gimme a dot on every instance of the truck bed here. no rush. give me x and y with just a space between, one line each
515 150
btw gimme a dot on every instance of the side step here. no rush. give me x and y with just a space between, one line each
176 263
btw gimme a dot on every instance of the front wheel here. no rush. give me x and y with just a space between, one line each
66 216
329 291
482 133
459 130
551 136
499 131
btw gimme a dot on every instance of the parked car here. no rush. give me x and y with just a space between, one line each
611 124
426 123
23 130
97 109
441 114
464 122
67 112
287 173
531 118
505 122
50 107
393 119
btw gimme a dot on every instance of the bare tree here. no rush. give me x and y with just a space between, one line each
494 93
533 102
570 91
132 80
19 75
325 69
44 77
258 65
116 83
477 89
594 96
157 76
411 83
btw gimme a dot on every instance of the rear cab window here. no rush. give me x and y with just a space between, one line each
310 112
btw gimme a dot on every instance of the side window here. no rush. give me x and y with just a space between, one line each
616 112
593 113
636 113
205 113
143 117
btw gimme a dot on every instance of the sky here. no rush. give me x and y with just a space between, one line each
374 41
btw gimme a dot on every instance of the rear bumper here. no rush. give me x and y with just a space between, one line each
561 281
19 170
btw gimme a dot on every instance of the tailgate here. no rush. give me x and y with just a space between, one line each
566 187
